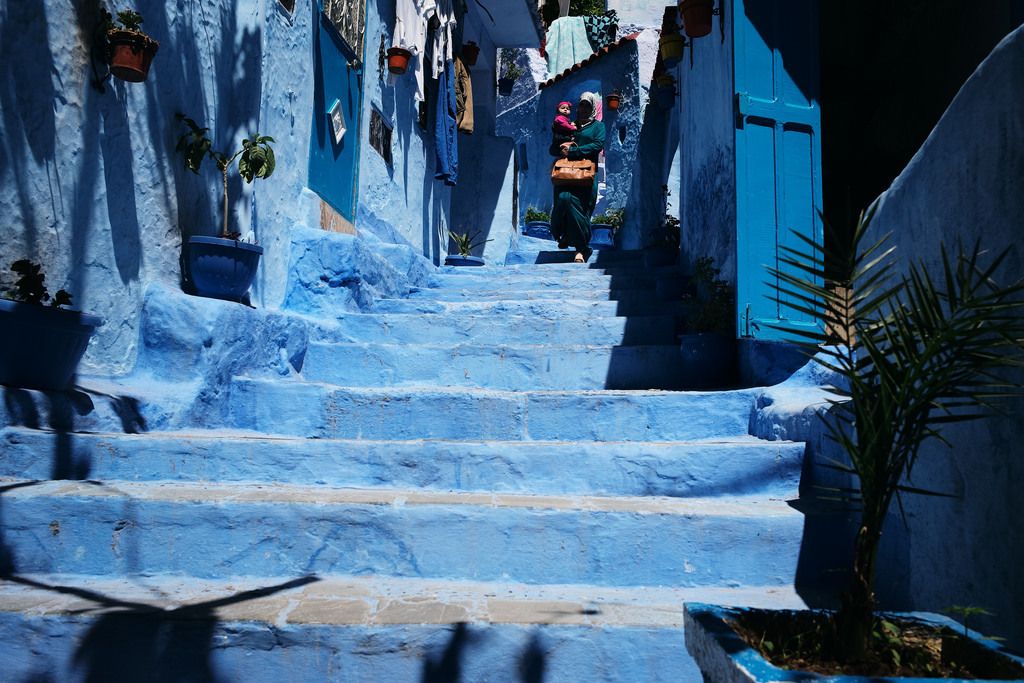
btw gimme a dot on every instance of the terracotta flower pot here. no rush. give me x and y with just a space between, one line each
613 100
131 53
697 16
470 51
398 60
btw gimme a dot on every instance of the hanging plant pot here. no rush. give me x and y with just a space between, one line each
614 99
131 53
470 51
398 60
40 346
697 16
671 47
458 260
505 86
222 268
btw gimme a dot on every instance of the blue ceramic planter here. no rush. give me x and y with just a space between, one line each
724 657
221 268
540 229
602 236
457 260
40 346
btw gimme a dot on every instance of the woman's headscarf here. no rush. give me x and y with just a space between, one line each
594 101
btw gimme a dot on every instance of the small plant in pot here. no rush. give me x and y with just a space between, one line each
131 51
708 346
912 352
223 267
465 243
41 343
538 223
604 226
509 71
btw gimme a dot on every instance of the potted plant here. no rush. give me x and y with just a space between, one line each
470 53
40 345
538 224
465 243
697 16
911 354
131 51
223 267
510 72
604 226
708 347
398 60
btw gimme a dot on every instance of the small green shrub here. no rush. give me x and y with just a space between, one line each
535 214
614 218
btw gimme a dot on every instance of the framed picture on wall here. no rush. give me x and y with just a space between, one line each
336 117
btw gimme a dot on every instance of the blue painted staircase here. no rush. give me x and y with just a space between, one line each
492 478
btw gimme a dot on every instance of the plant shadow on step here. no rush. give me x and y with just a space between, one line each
135 641
446 666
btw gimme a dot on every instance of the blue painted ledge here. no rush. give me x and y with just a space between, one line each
724 657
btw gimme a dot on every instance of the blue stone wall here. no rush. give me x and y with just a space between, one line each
707 175
967 183
90 185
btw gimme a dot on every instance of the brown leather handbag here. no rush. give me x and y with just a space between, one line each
567 172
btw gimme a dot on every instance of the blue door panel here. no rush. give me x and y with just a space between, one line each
778 161
333 165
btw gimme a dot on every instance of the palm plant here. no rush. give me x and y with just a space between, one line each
914 355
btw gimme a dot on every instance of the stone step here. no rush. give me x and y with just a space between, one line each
439 328
742 466
372 629
215 530
545 308
629 297
562 270
506 367
504 279
326 411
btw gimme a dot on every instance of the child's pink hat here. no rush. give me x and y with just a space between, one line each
561 103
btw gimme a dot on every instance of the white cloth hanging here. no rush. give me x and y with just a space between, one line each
411 34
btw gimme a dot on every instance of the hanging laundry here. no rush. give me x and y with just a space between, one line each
444 12
463 98
601 29
446 128
567 44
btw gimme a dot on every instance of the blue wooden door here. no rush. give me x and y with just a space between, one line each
778 152
337 102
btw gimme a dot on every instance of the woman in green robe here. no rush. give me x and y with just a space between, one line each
573 206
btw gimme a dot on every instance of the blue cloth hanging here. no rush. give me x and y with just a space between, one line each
446 130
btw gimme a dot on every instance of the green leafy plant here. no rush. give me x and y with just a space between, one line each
914 354
669 235
465 242
613 218
534 214
255 159
509 68
965 612
713 298
30 288
130 20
